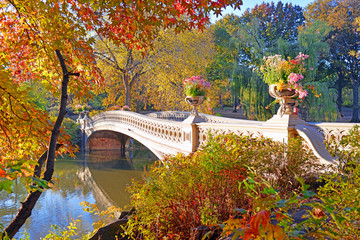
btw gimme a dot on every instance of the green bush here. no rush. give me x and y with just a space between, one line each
71 128
331 213
183 192
341 193
348 149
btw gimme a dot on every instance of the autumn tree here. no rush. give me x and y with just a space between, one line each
28 39
154 80
264 30
122 68
344 42
30 33
48 42
176 57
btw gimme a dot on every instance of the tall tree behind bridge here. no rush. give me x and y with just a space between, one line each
178 56
122 68
221 68
264 30
344 42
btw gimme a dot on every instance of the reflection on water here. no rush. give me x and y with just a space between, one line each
99 177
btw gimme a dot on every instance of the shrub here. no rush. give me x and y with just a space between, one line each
348 149
71 128
332 213
341 193
183 192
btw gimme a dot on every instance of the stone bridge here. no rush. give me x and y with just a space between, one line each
180 132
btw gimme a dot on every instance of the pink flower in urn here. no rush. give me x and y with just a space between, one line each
289 73
295 77
126 108
302 93
196 86
78 107
301 56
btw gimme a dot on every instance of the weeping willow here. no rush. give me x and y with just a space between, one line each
320 105
257 104
254 96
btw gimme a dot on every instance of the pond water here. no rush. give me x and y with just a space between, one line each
99 178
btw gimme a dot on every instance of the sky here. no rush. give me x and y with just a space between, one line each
251 3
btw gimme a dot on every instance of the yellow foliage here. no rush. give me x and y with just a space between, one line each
156 78
178 57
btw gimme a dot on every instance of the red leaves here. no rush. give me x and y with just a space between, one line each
180 8
261 228
318 213
2 171
261 218
133 18
89 27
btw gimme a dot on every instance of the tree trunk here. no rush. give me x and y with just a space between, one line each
26 208
339 87
235 103
221 106
128 96
355 115
339 100
127 85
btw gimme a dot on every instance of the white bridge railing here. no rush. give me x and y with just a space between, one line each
168 133
333 131
159 135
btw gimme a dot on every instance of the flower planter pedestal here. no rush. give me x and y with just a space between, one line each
285 98
286 116
86 115
194 115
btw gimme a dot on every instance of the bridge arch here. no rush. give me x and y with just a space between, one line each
107 140
112 139
100 130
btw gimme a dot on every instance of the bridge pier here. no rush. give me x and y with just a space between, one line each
124 140
83 140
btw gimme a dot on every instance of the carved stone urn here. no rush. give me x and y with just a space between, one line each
286 99
194 102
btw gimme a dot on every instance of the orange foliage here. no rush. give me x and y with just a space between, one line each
2 171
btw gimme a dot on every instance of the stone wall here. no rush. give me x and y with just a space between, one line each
106 140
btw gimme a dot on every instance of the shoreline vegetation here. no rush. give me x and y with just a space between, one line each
237 187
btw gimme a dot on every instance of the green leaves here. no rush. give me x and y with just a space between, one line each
6 184
39 184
